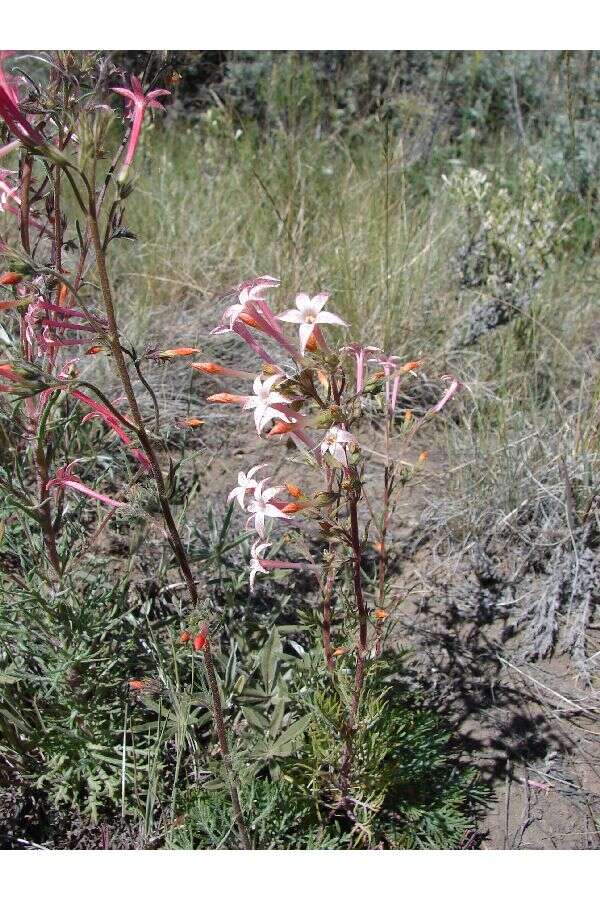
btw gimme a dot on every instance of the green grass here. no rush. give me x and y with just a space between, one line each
212 210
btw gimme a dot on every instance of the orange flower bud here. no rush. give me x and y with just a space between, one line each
226 398
408 415
380 614
281 428
174 352
291 508
423 456
184 637
209 367
312 344
190 422
136 685
91 351
10 278
292 489
62 294
410 366
199 642
378 548
270 369
212 368
248 320
340 651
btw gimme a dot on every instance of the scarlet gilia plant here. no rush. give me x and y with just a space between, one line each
62 137
317 395
70 158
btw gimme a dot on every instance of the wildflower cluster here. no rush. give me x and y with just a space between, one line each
312 398
60 322
314 395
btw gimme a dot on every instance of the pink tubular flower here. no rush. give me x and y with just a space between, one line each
293 426
308 315
266 402
260 564
212 368
102 412
64 478
248 292
261 506
455 386
359 351
336 443
389 365
47 331
253 311
10 111
246 484
138 102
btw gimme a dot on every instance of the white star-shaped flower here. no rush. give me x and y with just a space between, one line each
246 482
309 314
266 401
336 442
261 506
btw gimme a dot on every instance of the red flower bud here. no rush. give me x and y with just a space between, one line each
173 353
293 490
226 398
9 278
190 422
291 508
199 642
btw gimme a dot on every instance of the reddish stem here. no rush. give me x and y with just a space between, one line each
361 650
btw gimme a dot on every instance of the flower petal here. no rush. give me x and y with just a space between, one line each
306 331
303 302
319 301
294 316
327 318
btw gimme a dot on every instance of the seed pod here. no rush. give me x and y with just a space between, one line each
323 419
323 498
374 384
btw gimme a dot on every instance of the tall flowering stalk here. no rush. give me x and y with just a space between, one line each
42 370
318 397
